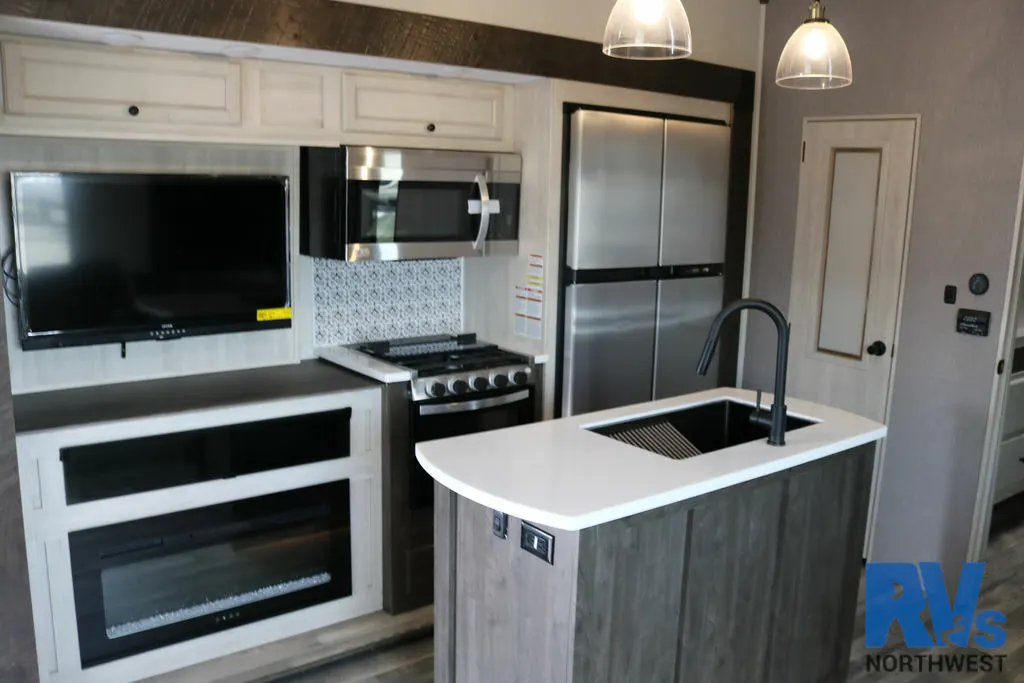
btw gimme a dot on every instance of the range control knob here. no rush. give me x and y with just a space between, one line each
499 380
520 377
479 383
458 386
437 390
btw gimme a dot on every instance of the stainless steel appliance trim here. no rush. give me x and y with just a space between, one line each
397 251
485 212
421 385
380 163
478 404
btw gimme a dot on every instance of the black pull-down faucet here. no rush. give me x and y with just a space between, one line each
777 420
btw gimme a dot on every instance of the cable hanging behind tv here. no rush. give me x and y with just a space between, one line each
114 258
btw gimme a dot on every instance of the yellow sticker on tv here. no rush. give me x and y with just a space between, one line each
267 314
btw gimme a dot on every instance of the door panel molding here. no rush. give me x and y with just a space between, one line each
825 317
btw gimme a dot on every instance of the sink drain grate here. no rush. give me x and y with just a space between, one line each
657 437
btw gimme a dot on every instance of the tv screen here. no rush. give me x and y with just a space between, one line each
115 257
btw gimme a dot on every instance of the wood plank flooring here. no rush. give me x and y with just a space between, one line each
1003 590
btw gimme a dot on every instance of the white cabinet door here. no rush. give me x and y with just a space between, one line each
427 108
131 87
293 98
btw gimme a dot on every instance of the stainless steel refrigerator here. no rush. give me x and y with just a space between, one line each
645 247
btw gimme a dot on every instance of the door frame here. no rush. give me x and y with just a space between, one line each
982 520
880 449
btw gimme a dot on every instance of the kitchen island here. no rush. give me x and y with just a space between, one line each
661 542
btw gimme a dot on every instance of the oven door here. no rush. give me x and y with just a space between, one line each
443 418
414 204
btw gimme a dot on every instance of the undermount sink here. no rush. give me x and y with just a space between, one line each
690 432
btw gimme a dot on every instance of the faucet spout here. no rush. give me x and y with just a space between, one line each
777 435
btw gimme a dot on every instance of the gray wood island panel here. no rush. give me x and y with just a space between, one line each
755 583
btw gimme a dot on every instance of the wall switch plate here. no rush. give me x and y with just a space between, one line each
537 542
499 524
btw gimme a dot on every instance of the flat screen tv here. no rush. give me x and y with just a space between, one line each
106 258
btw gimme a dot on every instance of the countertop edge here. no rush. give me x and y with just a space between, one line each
657 500
362 364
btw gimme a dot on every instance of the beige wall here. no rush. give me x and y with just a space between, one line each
957 64
724 31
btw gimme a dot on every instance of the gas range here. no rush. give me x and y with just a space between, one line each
434 388
452 365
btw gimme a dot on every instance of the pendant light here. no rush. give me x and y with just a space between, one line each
815 57
648 29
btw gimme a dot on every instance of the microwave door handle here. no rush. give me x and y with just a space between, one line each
485 213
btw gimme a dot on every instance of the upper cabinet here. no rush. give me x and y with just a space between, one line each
94 83
71 89
293 98
415 108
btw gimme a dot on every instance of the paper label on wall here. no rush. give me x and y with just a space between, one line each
267 314
528 306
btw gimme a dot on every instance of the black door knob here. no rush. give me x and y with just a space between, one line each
133 110
877 348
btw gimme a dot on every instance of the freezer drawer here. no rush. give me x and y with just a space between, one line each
695 198
615 167
609 345
685 311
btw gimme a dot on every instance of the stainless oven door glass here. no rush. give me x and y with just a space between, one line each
443 418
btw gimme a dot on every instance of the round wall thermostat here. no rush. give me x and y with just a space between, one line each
978 283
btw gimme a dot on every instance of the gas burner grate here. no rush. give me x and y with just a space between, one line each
424 349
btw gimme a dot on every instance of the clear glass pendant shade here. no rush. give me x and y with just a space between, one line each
815 57
648 29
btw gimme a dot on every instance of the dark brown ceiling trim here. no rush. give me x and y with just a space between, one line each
358 29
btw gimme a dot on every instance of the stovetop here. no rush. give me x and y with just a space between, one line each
441 354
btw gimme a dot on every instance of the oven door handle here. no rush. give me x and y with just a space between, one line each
479 404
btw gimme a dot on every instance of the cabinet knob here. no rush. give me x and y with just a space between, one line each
133 110
431 128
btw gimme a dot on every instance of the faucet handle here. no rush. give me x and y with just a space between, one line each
758 400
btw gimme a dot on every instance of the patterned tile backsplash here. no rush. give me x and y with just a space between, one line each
385 299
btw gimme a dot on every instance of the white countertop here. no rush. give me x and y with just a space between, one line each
364 364
559 474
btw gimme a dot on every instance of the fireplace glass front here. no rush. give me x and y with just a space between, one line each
152 582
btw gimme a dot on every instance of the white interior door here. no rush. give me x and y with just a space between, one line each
852 219
848 261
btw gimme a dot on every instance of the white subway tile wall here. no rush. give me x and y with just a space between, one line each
385 299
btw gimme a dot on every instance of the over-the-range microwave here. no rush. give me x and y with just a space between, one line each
378 204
